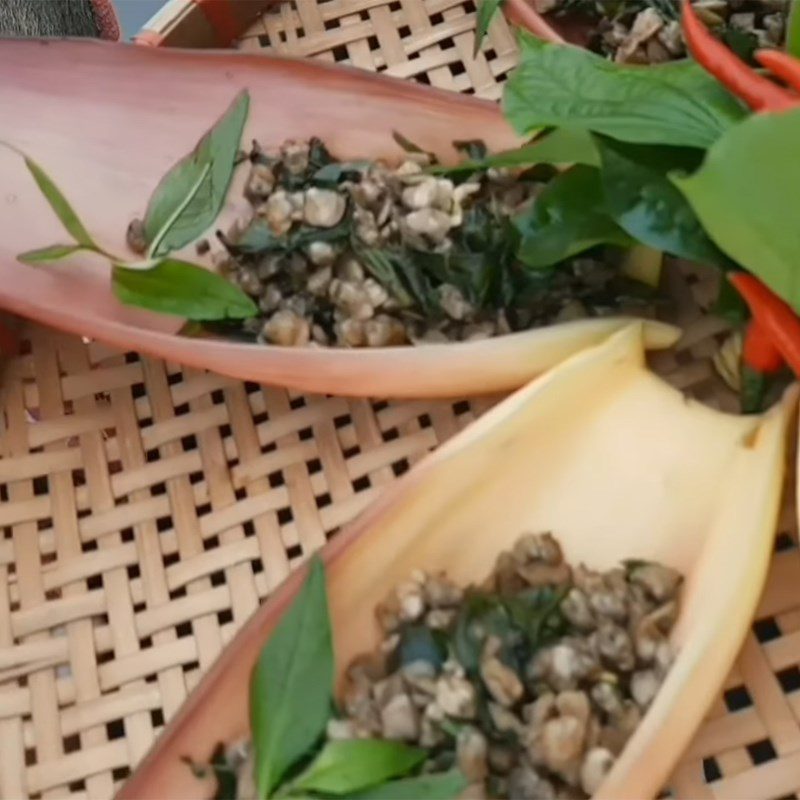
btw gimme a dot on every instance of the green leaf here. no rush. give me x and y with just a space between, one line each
183 289
291 689
747 195
793 30
259 238
48 254
729 305
442 786
332 174
349 766
60 204
420 643
644 202
567 218
743 43
190 196
486 11
561 146
752 390
390 272
564 86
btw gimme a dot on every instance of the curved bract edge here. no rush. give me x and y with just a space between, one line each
140 109
561 454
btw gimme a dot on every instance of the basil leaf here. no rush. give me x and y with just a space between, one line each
190 196
60 204
183 289
643 201
291 689
561 146
567 218
352 765
486 11
443 786
47 254
747 194
561 85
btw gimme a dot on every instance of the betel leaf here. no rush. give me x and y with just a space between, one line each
190 196
441 786
291 688
644 202
560 85
60 205
182 289
567 218
560 146
747 194
47 254
486 11
353 765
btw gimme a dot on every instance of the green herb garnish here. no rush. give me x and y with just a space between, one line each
676 104
184 204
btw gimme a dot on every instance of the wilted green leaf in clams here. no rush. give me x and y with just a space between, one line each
567 218
644 202
400 276
291 689
343 767
474 149
182 289
190 196
420 643
564 86
442 786
560 146
486 11
478 617
538 613
332 174
747 196
259 238
409 146
45 255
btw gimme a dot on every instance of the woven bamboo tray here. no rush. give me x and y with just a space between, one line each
146 509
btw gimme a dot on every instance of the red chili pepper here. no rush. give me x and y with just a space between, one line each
782 65
760 93
777 318
759 350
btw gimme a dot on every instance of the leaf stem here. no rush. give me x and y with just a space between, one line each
166 227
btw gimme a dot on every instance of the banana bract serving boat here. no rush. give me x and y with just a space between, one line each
617 464
107 121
